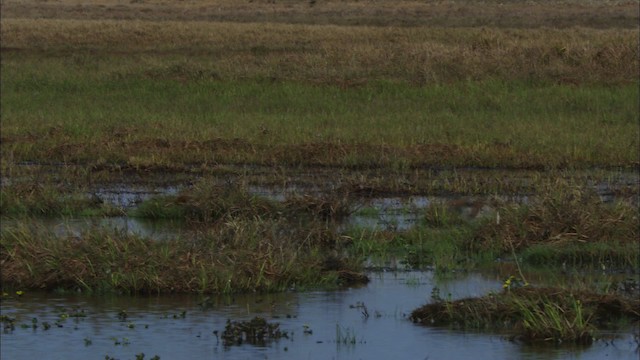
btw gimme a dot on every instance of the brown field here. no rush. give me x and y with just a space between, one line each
348 56
507 14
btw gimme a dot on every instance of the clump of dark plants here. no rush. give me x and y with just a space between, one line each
440 215
256 331
335 206
207 202
533 314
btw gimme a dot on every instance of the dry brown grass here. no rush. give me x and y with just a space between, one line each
511 13
343 55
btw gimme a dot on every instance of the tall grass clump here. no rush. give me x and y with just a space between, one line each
531 314
208 202
550 321
238 255
46 199
564 223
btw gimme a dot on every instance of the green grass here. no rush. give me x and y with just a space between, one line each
49 115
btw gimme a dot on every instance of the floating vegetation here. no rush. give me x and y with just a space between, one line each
256 331
533 314
141 356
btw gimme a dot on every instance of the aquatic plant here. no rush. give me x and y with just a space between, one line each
548 321
256 331
345 335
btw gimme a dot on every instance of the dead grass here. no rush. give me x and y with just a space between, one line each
341 55
513 14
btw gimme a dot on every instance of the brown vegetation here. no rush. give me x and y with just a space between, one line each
563 215
326 54
510 13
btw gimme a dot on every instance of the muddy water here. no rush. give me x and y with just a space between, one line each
177 327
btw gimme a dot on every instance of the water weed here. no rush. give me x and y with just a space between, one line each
256 331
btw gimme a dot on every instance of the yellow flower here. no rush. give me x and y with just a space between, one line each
19 292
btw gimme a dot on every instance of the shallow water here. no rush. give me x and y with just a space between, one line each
155 326
76 226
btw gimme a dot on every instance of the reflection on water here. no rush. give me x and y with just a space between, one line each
129 196
156 326
75 227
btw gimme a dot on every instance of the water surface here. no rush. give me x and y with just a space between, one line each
177 327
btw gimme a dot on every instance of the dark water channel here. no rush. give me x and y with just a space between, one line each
177 327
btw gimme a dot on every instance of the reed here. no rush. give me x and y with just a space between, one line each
235 256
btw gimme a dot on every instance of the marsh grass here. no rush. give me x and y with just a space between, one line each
565 223
256 331
386 105
46 199
235 256
207 202
533 314
345 335
550 322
